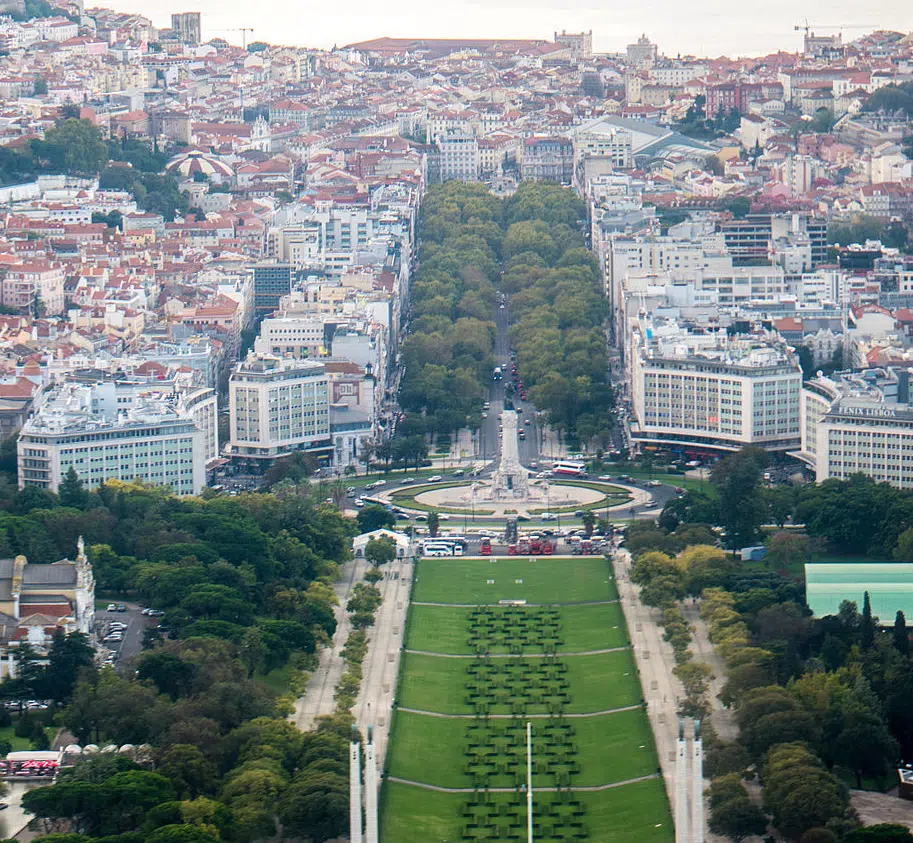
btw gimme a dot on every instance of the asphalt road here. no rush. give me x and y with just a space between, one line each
133 637
489 434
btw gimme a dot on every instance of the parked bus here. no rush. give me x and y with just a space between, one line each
566 468
436 548
485 547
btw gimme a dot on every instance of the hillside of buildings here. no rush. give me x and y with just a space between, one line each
236 278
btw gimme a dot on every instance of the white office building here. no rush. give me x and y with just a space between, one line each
712 393
459 156
152 437
860 423
278 406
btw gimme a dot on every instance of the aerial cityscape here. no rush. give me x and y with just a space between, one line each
452 438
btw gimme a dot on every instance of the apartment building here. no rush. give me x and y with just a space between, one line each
153 438
35 286
709 393
276 407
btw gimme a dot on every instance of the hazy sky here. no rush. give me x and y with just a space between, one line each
701 27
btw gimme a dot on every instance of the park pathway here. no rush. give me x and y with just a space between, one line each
318 699
514 716
558 653
576 789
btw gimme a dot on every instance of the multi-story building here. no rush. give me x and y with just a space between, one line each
859 423
749 239
459 155
186 27
33 286
580 44
711 394
152 438
548 159
37 600
276 407
272 281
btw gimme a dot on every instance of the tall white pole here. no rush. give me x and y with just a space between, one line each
370 790
355 827
529 781
697 789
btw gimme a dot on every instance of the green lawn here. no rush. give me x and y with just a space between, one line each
627 814
445 629
7 733
609 748
596 683
540 580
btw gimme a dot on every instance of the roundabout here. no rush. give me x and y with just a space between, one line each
560 497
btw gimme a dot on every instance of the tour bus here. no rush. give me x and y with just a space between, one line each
569 469
436 547
457 543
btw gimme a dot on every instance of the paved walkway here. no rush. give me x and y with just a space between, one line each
723 719
563 715
381 665
575 789
655 661
318 695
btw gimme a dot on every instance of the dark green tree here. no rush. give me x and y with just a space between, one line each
900 637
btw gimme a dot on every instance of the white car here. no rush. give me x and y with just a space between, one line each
435 478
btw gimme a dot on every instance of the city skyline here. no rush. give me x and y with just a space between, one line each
707 31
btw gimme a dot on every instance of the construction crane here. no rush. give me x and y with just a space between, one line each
806 26
242 29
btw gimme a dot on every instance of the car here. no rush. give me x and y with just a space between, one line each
522 517
112 607
359 504
435 478
653 484
605 477
406 481
458 473
421 517
113 639
350 489
526 421
578 513
156 613
350 494
121 608
484 415
549 516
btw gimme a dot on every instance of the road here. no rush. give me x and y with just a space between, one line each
489 436
132 644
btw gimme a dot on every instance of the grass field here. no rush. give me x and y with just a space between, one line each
634 813
597 683
611 748
572 602
445 629
537 580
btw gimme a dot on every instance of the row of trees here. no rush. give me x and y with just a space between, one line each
857 515
819 702
558 311
245 584
448 353
530 246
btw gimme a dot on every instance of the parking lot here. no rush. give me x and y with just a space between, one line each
120 633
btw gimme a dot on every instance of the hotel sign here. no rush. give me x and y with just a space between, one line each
874 413
869 412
